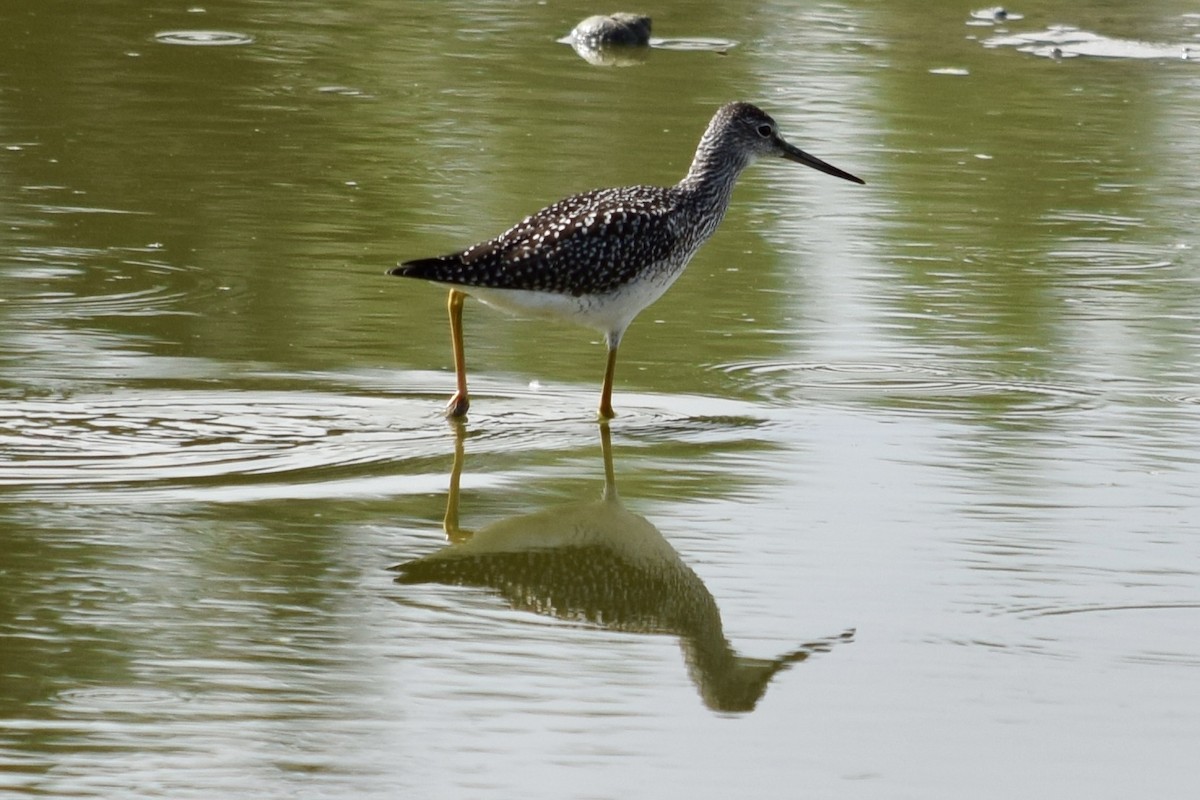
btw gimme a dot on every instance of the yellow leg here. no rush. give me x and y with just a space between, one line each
459 403
606 409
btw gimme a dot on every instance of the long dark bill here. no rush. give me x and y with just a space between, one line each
792 153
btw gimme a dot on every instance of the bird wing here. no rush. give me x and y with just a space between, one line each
592 243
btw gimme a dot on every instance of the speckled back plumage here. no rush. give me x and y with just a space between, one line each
591 243
598 242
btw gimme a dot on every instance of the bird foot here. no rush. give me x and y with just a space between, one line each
458 405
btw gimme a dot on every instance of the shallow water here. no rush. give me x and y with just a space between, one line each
903 491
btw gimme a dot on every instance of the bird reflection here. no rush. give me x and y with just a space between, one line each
597 562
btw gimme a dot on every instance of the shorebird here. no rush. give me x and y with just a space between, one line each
597 259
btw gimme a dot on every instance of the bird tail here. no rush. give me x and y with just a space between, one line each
441 268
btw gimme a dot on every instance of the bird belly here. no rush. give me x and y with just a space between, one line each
608 313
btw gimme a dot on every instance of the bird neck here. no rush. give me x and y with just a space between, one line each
714 171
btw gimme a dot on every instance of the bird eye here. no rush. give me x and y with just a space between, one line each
764 130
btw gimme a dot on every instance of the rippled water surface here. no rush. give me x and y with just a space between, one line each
903 495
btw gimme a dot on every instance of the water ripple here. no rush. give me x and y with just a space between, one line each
1066 41
303 439
152 436
1160 636
1058 611
907 388
203 38
79 283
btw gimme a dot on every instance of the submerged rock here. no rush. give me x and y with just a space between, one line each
612 30
622 39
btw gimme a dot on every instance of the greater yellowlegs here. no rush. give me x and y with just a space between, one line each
597 259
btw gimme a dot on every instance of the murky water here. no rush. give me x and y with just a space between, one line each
902 499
